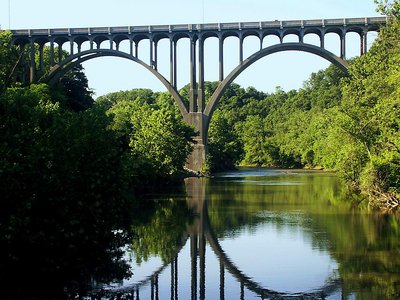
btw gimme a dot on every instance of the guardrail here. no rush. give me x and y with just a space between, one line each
203 27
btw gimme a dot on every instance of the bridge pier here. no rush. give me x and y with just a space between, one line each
197 158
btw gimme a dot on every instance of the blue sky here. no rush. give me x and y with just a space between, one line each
288 70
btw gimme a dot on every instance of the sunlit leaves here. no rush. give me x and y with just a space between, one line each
150 125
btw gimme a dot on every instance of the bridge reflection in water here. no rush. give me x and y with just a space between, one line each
199 233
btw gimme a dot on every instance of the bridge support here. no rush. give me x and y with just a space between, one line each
196 116
197 158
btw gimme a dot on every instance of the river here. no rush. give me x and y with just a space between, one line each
261 233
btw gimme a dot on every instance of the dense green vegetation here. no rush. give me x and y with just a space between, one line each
343 122
150 126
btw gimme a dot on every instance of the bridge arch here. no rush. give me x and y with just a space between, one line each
213 103
68 64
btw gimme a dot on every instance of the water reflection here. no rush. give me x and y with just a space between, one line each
270 242
252 234
295 238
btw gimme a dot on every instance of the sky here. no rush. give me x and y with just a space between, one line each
287 70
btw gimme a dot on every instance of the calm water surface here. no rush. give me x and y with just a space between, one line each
264 234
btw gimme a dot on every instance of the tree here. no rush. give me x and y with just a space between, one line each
151 127
389 8
224 146
9 60
63 194
371 111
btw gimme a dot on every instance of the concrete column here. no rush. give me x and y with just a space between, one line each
79 47
240 50
60 53
41 65
301 38
200 90
71 51
52 53
175 83
365 42
151 54
197 158
155 56
171 62
137 50
343 46
221 59
32 65
322 39
111 45
192 71
131 47
23 64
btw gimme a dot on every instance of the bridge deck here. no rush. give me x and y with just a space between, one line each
203 27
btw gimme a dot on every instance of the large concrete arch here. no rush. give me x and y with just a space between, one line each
213 103
68 64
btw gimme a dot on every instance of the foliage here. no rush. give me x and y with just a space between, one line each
278 129
62 185
370 113
164 233
150 126
8 60
224 148
389 8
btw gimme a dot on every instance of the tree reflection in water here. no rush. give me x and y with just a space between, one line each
59 253
364 245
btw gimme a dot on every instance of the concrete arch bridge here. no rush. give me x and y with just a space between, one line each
88 43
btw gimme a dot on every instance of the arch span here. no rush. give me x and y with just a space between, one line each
213 103
68 64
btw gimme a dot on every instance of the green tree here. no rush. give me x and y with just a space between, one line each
389 8
62 185
9 60
370 116
151 127
224 146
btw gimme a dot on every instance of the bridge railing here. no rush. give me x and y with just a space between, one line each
207 26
